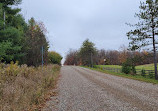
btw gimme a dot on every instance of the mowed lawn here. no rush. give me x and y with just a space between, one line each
146 67
140 67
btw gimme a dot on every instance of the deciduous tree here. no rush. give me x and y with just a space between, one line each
54 57
35 40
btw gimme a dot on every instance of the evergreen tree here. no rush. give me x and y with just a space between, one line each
10 2
87 53
20 41
146 30
11 33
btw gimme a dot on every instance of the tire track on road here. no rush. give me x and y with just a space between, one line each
133 100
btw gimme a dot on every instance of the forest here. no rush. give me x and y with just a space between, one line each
20 40
28 71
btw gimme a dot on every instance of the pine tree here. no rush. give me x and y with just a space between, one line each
146 29
11 33
87 53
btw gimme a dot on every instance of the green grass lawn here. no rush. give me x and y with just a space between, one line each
140 67
146 67
110 66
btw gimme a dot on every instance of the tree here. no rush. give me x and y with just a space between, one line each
4 56
87 53
54 57
10 2
1 16
112 57
146 29
34 41
123 54
12 34
20 41
101 57
72 58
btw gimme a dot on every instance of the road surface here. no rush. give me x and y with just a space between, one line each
81 89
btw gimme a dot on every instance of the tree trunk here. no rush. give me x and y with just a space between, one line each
155 59
4 18
91 60
155 62
155 55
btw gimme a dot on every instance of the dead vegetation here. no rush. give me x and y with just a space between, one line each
22 88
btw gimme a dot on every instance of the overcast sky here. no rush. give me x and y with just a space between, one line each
70 22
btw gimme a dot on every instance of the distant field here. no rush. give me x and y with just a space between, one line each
145 67
109 66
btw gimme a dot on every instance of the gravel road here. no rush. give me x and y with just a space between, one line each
81 89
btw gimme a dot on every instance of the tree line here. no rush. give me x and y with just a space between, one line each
20 40
89 55
144 35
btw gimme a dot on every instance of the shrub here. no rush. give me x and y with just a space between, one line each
54 58
151 75
143 73
126 69
95 66
133 70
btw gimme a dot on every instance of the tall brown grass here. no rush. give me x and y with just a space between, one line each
22 87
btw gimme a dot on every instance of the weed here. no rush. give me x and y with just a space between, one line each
22 87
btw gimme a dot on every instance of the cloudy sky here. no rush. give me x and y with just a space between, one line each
70 22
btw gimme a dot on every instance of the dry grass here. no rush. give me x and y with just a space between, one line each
22 87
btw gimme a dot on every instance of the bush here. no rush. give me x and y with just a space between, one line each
54 58
133 70
143 73
151 75
95 66
126 69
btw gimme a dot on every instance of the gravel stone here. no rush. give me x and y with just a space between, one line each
81 89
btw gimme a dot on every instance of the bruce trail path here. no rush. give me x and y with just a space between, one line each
81 89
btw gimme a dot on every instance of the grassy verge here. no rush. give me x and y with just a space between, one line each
135 77
25 88
109 66
140 67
